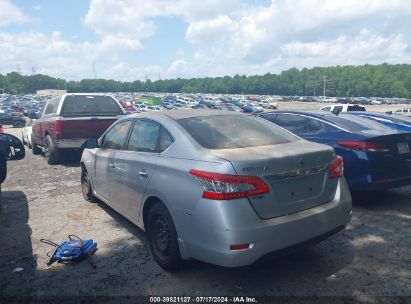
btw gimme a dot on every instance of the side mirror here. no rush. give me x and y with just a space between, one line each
90 143
33 115
11 148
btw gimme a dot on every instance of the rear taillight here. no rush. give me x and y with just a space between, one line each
365 146
226 187
336 168
57 127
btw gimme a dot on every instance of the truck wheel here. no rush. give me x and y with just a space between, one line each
35 149
51 153
162 237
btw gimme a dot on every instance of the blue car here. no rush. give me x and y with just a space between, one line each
398 122
376 157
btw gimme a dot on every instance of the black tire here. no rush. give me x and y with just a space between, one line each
162 237
86 187
35 149
3 169
51 153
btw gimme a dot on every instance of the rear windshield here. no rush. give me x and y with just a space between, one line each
356 123
230 132
90 105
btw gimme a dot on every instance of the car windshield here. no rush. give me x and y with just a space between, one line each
230 132
90 105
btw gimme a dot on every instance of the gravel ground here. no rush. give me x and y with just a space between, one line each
369 261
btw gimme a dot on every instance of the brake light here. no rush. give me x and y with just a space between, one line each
226 187
239 247
365 146
57 127
336 168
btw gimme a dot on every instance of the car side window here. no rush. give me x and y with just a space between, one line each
338 108
165 139
295 123
326 109
314 126
145 136
116 137
52 106
269 117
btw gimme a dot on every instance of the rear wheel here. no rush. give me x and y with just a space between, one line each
35 149
51 153
162 237
86 187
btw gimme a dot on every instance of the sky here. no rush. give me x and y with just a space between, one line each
161 39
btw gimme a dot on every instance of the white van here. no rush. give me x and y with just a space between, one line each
343 107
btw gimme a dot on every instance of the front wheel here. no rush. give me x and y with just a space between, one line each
162 237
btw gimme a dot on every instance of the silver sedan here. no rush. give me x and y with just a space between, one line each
221 187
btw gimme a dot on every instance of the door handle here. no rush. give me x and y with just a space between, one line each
143 173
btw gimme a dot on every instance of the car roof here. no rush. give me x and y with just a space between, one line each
314 113
179 114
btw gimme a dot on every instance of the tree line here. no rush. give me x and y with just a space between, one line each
383 80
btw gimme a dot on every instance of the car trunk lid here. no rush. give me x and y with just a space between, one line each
296 173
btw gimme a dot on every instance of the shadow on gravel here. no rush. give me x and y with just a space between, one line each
70 159
278 276
15 239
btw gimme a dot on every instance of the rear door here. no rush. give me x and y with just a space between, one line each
137 164
105 169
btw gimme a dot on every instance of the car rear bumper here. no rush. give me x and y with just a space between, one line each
383 184
73 143
217 225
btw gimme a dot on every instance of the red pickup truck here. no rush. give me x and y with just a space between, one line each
67 121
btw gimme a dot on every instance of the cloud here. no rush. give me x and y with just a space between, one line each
178 68
56 56
224 37
209 31
10 14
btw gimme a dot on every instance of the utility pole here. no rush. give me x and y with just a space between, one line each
325 82
33 71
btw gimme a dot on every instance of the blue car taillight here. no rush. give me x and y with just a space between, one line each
365 146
